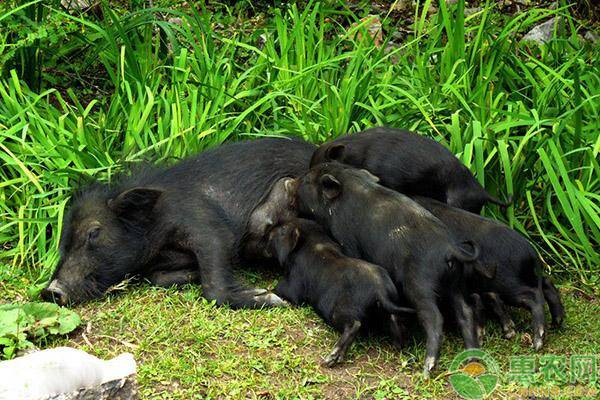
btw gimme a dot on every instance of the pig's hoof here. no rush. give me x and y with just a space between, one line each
257 291
480 335
332 359
557 323
509 334
429 366
538 340
271 299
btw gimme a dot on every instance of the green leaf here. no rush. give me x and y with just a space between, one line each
68 321
21 322
41 310
8 321
9 351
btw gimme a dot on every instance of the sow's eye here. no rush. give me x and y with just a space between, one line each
93 233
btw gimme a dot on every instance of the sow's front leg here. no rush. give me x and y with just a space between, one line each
173 268
214 246
218 282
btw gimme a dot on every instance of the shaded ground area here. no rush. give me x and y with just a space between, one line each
187 348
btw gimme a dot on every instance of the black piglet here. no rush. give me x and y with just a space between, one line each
344 291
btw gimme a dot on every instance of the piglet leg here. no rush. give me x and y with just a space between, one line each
432 321
478 313
507 324
464 316
398 331
552 296
534 301
341 346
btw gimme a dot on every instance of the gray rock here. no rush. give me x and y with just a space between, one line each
71 372
120 389
591 36
77 5
541 33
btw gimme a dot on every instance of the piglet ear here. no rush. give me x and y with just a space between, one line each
335 152
331 186
294 238
287 245
135 203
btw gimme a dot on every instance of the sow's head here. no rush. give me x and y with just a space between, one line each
102 242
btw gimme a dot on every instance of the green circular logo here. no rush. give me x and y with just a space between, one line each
474 374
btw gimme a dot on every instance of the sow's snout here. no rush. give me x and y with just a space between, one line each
55 293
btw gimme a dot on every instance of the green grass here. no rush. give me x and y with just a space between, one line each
187 348
524 119
82 95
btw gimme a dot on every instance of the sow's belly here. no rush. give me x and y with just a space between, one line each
233 179
236 177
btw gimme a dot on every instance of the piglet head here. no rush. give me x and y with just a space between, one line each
319 189
279 205
327 153
283 240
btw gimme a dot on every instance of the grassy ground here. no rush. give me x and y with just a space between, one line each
188 348
88 94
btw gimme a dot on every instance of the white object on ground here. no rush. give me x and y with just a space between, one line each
61 370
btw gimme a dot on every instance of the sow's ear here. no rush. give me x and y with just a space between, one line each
135 203
331 186
287 245
335 152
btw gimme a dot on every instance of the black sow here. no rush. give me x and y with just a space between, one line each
196 210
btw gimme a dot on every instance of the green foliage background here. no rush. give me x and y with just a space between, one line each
87 94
